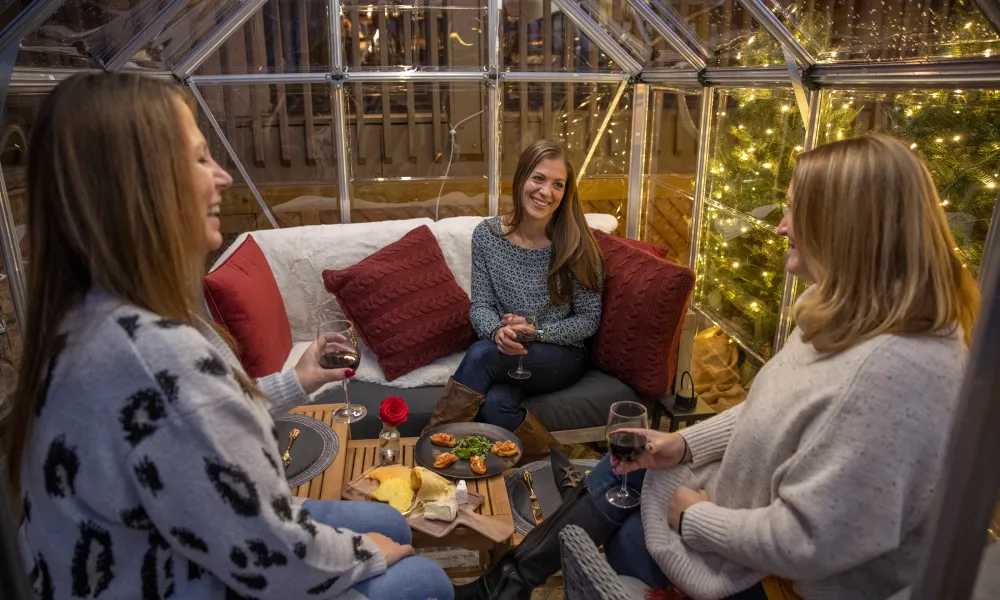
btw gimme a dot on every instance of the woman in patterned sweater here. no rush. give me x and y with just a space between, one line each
538 260
146 460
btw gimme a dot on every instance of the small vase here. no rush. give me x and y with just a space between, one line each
389 447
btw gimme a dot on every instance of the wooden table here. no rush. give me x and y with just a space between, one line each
357 456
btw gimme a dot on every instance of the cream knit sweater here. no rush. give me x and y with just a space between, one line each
824 476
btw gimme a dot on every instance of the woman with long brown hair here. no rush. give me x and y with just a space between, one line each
540 261
820 484
146 460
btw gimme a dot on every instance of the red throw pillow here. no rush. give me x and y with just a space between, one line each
243 297
644 304
405 303
655 249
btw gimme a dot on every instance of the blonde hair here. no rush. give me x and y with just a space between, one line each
110 203
574 250
869 225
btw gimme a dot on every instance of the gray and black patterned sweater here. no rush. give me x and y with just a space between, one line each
509 279
151 474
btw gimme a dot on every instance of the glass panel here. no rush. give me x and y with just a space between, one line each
183 33
572 114
755 138
954 131
388 37
284 36
9 10
873 30
417 150
740 274
669 180
618 21
86 33
283 136
19 115
539 37
722 32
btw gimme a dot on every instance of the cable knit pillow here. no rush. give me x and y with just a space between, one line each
644 304
243 297
405 303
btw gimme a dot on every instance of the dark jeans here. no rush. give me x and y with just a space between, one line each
484 369
626 550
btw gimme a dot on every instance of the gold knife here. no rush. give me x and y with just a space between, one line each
286 458
536 507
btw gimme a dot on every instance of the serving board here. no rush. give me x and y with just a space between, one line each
361 490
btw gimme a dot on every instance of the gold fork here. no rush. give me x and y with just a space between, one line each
286 458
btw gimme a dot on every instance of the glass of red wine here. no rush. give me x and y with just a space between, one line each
525 338
339 350
627 422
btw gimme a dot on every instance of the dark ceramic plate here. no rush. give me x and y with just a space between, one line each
426 453
313 451
545 489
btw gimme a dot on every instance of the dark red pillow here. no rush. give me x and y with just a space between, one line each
405 303
244 298
644 303
655 249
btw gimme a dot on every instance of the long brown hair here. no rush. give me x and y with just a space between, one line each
110 203
869 225
575 252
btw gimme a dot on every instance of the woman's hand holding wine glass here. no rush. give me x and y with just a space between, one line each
663 451
310 369
627 435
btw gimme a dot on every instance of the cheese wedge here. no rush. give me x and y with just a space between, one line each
442 510
397 492
462 492
433 486
383 474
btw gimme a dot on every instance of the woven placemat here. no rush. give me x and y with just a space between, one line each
545 489
313 451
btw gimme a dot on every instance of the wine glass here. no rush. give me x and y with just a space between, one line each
339 350
525 338
626 446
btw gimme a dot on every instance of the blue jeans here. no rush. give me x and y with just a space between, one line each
484 370
413 578
626 550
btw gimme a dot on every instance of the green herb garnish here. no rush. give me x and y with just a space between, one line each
474 445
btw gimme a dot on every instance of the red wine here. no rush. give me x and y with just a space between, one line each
627 446
525 339
340 359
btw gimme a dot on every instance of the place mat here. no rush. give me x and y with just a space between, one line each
545 489
313 451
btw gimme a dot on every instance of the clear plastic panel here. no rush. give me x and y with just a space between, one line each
956 133
85 33
756 136
19 114
283 136
615 18
417 150
389 37
740 274
572 114
284 36
724 30
876 30
184 32
536 36
672 138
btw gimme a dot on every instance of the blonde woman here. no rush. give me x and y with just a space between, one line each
146 460
820 483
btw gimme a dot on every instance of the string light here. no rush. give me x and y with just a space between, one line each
913 146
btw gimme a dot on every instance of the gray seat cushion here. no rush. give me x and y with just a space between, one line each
584 404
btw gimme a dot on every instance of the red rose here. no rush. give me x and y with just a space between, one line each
393 411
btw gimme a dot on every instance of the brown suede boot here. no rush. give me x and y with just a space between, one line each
458 404
536 441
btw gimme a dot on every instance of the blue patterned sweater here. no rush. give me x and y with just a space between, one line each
150 474
509 279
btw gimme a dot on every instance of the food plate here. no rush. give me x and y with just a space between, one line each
425 452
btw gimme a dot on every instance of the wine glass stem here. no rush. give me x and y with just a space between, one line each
347 399
624 491
520 363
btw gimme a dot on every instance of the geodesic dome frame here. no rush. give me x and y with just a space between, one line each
659 48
